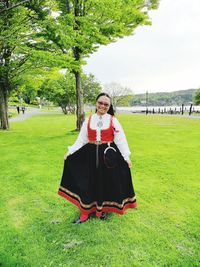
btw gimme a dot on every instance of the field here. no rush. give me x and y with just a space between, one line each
36 228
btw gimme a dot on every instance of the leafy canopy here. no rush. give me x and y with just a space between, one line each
197 97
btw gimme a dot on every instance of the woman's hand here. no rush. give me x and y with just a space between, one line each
129 163
65 156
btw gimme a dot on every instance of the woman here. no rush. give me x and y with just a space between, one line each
96 176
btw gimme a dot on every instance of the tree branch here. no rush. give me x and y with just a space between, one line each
19 4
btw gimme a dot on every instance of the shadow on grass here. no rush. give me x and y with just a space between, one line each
72 132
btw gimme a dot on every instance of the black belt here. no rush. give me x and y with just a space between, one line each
97 143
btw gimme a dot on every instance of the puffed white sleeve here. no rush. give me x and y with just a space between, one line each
120 140
81 140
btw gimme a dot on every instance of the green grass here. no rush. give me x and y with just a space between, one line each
163 231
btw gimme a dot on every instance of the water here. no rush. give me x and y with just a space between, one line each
156 108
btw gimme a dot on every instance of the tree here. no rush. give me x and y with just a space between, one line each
16 23
91 88
117 92
10 30
124 101
85 25
28 84
60 89
22 50
29 33
197 97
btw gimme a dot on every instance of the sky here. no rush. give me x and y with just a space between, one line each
163 57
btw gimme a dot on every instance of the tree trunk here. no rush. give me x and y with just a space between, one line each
64 109
4 110
80 114
4 82
78 8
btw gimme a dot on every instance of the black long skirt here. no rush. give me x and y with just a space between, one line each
95 188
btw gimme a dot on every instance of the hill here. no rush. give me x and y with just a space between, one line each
164 98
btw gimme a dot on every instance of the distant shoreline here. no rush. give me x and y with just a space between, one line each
156 108
161 111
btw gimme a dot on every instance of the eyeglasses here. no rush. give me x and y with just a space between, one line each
103 104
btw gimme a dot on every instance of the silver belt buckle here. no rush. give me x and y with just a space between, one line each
98 142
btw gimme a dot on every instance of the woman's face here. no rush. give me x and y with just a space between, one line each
102 105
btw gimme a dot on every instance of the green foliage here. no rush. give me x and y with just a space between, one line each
196 97
28 86
17 29
36 228
60 89
91 88
85 25
32 37
124 101
23 49
29 83
164 99
14 99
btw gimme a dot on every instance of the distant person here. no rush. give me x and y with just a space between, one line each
18 109
96 176
23 109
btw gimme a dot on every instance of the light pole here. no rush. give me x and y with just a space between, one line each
190 111
147 95
182 111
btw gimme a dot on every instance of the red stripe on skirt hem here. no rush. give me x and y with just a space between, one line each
104 209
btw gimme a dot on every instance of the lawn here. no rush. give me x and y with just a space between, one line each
36 228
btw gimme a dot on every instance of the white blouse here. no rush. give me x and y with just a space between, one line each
119 136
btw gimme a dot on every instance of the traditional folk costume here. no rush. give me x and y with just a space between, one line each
92 182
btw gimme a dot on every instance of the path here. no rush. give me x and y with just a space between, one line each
36 111
31 112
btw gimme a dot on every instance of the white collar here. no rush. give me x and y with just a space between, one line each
102 116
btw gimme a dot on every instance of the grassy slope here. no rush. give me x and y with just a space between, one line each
163 231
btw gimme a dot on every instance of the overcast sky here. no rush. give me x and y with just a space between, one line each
158 58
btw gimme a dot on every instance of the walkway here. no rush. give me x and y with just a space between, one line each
31 112
36 111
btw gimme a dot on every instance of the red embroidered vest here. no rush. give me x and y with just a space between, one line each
107 135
